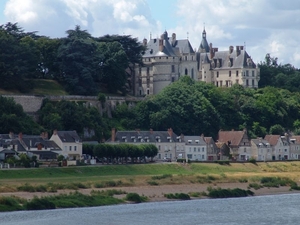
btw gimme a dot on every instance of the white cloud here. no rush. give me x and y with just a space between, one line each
99 17
264 26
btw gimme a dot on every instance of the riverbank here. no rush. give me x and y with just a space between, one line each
157 193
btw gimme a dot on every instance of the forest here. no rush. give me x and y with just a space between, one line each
85 65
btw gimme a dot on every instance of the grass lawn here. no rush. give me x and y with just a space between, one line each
141 174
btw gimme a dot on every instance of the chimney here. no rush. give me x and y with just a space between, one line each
170 132
230 49
145 42
151 131
211 51
20 136
113 134
54 132
46 135
161 45
238 51
11 135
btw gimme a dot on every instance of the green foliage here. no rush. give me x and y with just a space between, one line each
223 162
256 186
181 196
243 180
11 203
253 161
275 181
277 129
39 204
136 198
164 176
228 193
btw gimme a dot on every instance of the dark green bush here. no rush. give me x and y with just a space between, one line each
253 160
164 176
181 196
39 204
228 193
134 197
255 186
223 162
153 183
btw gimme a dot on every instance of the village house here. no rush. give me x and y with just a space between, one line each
32 145
195 148
261 149
294 142
169 145
280 146
238 142
69 142
213 152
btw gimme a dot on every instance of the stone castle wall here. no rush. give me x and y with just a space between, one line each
31 104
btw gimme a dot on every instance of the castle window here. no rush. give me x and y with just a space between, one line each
185 58
217 73
193 73
173 68
247 73
148 92
229 73
253 73
253 83
237 73
247 83
185 71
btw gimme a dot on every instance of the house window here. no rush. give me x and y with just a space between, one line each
229 73
75 148
245 150
237 73
253 73
195 149
66 148
217 73
253 83
198 149
70 148
247 83
247 73
189 156
173 68
202 149
202 156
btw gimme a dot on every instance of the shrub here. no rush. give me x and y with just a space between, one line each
181 196
164 176
134 197
228 193
222 162
256 186
153 183
39 204
253 160
243 180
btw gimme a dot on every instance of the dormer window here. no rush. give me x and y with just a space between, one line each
189 141
197 141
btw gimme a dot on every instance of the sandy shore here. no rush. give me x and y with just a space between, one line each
156 193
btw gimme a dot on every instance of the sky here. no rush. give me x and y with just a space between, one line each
262 26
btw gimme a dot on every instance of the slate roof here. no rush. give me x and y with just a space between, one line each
68 136
171 48
45 154
194 140
260 142
272 139
34 141
143 136
204 44
232 137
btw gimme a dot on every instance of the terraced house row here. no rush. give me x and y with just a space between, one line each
229 144
234 145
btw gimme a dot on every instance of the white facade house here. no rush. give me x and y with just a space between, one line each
169 145
280 146
261 149
195 148
294 147
69 142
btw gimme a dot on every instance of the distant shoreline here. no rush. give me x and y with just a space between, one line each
156 193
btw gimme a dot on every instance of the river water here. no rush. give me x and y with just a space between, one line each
269 210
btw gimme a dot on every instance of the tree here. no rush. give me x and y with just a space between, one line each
78 60
276 129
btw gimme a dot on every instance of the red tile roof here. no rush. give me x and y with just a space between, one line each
234 137
272 139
